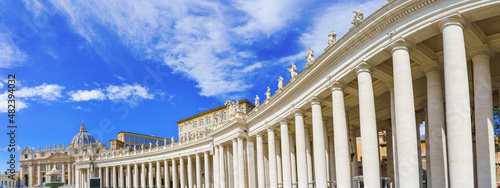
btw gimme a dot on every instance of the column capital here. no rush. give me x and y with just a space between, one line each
270 129
481 50
316 101
432 67
364 67
283 121
453 20
400 44
336 86
298 112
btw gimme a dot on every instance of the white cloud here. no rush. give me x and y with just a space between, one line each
86 95
78 107
44 91
1 84
10 55
119 77
127 91
194 38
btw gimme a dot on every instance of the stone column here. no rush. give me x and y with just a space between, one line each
252 180
175 179
128 182
106 183
235 163
395 180
331 149
167 173
113 177
150 175
77 178
182 172
39 175
483 106
278 161
368 127
319 144
30 174
458 120
121 176
285 154
222 167
260 162
293 163
136 176
272 159
206 158
300 140
436 126
63 173
390 159
198 171
143 175
158 174
342 155
190 171
216 167
70 168
308 158
100 176
405 116
241 164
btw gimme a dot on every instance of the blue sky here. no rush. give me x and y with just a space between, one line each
140 66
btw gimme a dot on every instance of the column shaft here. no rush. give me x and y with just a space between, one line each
368 126
113 177
206 158
436 126
405 117
106 183
222 167
175 179
309 158
182 172
272 159
121 177
285 155
235 163
143 175
167 174
260 162
241 164
136 176
300 141
216 167
293 163
198 171
319 144
150 175
342 155
252 180
483 106
458 120
190 171
158 174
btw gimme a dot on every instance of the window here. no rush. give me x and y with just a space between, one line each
137 147
58 166
201 123
127 138
194 125
25 156
132 146
43 168
104 154
208 120
223 116
26 169
126 145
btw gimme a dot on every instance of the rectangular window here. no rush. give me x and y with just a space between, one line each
201 122
194 125
208 120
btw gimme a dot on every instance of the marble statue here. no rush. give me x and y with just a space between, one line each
157 143
357 18
293 70
332 37
257 100
280 82
268 93
310 55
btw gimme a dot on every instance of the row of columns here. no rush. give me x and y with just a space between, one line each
48 167
290 161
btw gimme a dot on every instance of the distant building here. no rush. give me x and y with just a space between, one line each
136 141
203 123
7 182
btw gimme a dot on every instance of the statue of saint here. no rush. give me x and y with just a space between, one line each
280 82
332 37
268 93
293 70
357 18
310 55
257 100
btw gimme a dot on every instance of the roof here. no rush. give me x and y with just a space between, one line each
139 134
212 110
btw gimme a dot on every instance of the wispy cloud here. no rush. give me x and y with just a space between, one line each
200 40
86 95
44 92
126 92
10 55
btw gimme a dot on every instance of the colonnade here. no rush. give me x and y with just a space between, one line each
35 177
308 155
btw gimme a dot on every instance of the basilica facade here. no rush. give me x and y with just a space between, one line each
432 61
